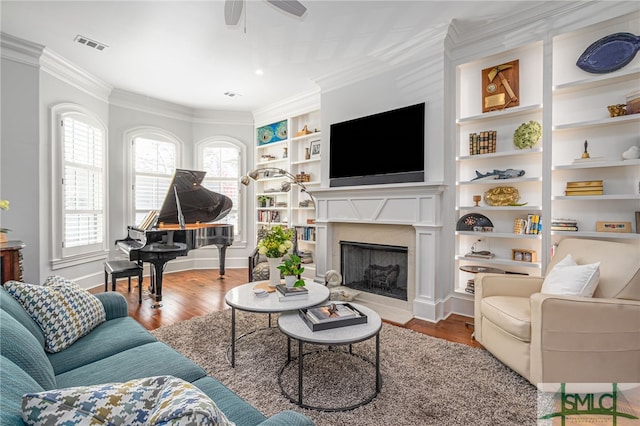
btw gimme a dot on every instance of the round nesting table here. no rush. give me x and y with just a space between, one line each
244 299
294 327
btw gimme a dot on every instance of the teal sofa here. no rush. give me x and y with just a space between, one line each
118 350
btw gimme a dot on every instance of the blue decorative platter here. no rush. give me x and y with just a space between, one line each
472 220
272 132
610 53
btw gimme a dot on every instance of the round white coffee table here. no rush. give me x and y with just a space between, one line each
291 324
244 299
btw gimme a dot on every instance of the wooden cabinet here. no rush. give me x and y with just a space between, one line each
11 261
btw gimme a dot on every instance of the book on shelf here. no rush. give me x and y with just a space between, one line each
582 193
564 228
583 183
584 188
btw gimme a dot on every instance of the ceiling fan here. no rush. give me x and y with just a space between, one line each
233 9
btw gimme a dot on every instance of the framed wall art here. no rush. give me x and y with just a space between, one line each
501 86
273 132
314 148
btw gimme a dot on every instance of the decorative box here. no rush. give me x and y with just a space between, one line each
303 177
633 103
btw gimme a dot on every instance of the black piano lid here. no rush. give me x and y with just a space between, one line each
198 203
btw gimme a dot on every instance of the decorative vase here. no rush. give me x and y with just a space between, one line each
290 280
274 272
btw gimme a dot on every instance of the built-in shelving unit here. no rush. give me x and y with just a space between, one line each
469 119
574 111
295 208
580 114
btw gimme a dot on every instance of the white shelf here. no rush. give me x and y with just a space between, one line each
611 121
269 163
598 164
303 162
584 234
496 208
500 261
495 115
305 137
604 197
500 235
597 81
495 155
500 181
279 144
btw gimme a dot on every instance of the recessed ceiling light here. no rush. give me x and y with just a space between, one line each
91 43
231 94
259 72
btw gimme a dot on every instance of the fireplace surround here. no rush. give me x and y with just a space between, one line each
405 215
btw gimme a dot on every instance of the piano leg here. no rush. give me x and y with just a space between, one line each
158 266
222 248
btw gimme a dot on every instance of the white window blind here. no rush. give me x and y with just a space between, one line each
83 185
221 161
154 162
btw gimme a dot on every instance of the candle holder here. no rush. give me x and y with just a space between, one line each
476 199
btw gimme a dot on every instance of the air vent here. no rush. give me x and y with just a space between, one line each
231 94
91 43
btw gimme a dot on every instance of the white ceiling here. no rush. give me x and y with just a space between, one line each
183 52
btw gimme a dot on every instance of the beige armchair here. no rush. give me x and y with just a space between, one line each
554 339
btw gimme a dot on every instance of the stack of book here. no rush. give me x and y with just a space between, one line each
483 142
291 293
332 316
584 187
471 287
564 225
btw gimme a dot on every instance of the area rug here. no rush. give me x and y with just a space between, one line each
425 380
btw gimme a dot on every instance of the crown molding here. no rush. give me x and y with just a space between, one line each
148 105
295 105
20 50
62 69
538 22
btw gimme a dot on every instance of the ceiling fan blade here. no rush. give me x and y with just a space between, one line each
293 7
232 11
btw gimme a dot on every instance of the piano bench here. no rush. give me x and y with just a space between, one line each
121 269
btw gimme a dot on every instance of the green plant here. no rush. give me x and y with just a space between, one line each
292 266
277 242
4 205
264 200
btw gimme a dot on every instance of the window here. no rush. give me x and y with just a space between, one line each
221 160
155 157
80 200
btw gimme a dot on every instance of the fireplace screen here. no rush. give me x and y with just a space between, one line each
375 268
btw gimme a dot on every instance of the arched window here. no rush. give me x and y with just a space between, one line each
79 183
155 154
221 158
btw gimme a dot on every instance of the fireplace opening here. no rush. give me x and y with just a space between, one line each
375 268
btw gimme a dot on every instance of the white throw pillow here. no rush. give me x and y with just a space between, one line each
569 279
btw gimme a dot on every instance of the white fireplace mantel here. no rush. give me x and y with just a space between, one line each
414 204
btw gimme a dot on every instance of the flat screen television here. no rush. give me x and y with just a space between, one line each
382 148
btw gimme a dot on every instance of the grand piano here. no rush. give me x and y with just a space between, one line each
185 222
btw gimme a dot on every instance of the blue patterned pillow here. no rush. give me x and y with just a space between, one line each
161 400
64 311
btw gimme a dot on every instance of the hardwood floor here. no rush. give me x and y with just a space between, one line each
195 293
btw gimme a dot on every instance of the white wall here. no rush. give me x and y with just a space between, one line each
19 159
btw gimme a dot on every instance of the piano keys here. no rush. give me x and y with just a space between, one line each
183 224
